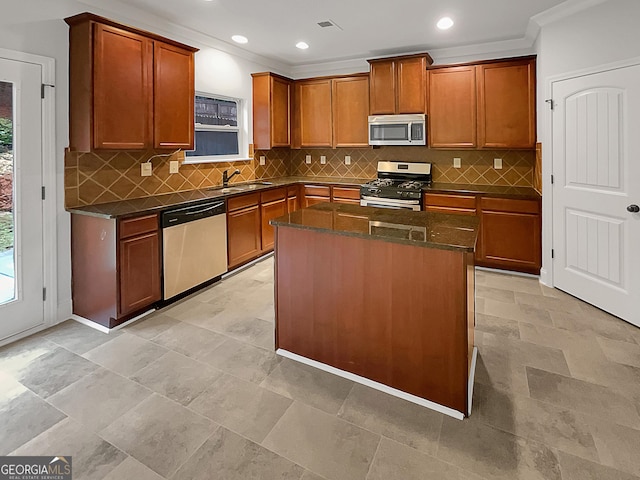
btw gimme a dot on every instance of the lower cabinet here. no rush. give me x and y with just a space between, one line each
316 194
116 267
510 232
273 204
510 229
244 229
293 198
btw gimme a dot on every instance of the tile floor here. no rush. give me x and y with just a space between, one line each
196 392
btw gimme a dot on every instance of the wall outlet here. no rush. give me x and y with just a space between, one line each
497 163
307 159
457 163
347 160
323 159
263 160
146 169
174 165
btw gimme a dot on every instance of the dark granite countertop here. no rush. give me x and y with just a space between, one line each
493 190
158 203
426 229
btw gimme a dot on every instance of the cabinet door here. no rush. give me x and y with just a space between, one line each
243 235
411 85
350 103
280 109
506 104
314 111
450 203
174 97
269 211
293 193
452 107
382 96
122 95
510 234
139 265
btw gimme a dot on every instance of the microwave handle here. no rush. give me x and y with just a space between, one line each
409 132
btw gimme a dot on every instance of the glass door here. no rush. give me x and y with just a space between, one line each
7 261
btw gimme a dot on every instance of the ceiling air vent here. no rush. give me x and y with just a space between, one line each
329 23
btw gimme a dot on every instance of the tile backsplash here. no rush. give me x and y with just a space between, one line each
100 177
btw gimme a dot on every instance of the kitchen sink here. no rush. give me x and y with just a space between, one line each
241 188
233 189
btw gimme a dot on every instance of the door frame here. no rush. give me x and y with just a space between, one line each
548 206
49 177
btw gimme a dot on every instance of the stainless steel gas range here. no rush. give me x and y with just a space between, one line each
399 185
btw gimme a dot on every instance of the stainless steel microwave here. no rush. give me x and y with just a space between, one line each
398 129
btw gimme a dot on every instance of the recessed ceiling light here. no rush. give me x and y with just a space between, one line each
445 23
239 38
302 45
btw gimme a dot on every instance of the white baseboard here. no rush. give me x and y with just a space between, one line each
472 377
64 311
102 328
545 278
372 384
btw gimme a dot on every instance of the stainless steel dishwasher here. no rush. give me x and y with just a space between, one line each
194 246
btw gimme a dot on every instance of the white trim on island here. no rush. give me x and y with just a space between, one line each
379 386
472 376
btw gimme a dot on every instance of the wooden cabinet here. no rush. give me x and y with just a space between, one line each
341 194
128 89
510 232
293 194
452 107
116 267
332 112
398 85
273 204
488 105
510 229
139 263
314 113
173 97
244 230
350 105
316 194
507 104
271 111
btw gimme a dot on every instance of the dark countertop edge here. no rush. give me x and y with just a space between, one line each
103 210
412 243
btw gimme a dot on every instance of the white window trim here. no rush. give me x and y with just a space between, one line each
243 146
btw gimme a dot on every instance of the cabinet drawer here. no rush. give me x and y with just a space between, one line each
451 201
236 203
510 205
292 191
346 192
318 190
130 227
272 195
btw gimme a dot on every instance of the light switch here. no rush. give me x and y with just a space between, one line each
263 160
307 159
497 163
323 159
457 163
174 165
146 169
347 160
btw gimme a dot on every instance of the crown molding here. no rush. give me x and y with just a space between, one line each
564 10
134 16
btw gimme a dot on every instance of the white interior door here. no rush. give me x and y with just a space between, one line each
21 228
596 168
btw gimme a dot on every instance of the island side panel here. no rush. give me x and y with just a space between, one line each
393 313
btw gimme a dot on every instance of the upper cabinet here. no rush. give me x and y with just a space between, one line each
507 104
398 85
332 112
452 107
489 105
128 89
271 111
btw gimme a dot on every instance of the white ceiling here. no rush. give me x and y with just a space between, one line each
369 28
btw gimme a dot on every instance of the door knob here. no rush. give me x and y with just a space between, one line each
633 208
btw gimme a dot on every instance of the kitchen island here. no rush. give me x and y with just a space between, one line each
383 297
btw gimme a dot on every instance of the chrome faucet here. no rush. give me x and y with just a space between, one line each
226 178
